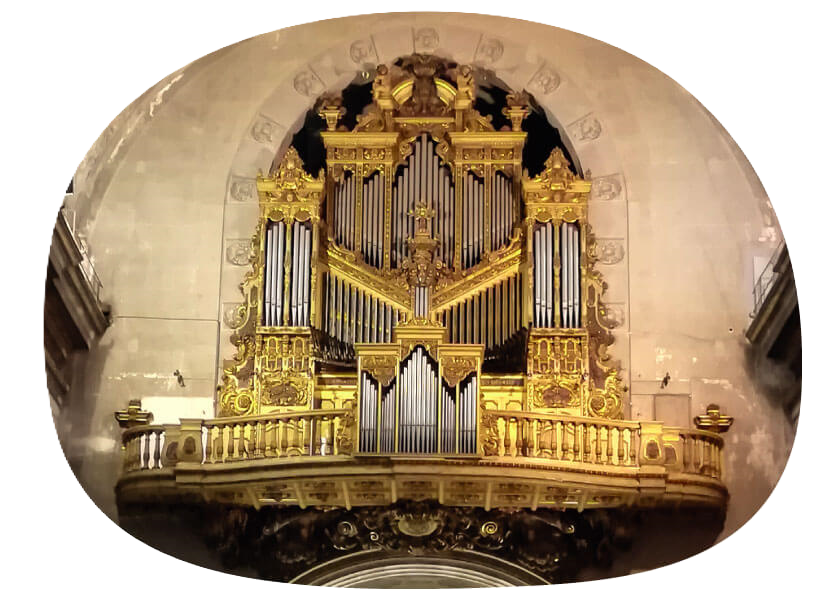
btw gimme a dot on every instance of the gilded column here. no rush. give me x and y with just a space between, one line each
359 182
459 234
489 183
388 220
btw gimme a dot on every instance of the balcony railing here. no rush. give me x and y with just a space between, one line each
69 219
767 279
309 457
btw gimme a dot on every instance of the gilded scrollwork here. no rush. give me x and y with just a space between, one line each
455 368
490 438
607 402
346 430
284 390
290 193
381 367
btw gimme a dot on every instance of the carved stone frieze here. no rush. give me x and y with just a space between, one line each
585 129
614 314
425 39
234 314
606 188
363 51
607 251
307 83
489 50
546 80
267 131
241 189
239 252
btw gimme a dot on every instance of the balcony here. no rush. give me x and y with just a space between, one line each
523 460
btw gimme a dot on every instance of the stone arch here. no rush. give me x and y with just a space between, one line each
567 107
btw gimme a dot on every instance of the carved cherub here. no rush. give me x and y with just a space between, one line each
465 82
424 68
381 82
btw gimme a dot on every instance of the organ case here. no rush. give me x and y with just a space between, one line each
423 253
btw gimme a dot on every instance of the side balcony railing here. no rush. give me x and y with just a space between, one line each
505 437
293 434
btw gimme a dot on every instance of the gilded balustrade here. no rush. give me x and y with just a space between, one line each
511 438
517 434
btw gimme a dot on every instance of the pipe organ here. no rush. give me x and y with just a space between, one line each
422 246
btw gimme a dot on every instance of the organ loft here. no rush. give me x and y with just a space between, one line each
422 365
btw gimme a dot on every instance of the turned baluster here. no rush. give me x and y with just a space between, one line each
158 449
242 450
603 443
210 451
219 450
306 426
276 437
331 436
507 440
519 443
540 433
230 450
553 433
260 435
593 443
251 438
264 439
707 467
634 442
128 462
285 436
712 462
323 436
707 450
621 445
530 437
146 450
565 441
610 435
687 453
576 441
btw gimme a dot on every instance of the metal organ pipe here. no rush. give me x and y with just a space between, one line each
548 273
269 273
274 274
296 275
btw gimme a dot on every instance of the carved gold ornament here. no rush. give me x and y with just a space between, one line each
455 368
382 368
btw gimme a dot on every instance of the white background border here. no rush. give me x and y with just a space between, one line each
69 68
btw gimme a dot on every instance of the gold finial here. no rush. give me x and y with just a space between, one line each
331 111
423 215
517 109
133 415
713 420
